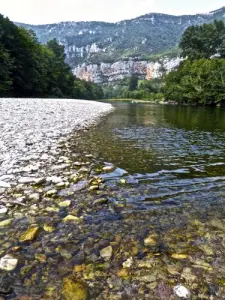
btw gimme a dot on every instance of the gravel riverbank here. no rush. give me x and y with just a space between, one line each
30 129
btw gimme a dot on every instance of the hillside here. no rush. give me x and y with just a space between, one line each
136 39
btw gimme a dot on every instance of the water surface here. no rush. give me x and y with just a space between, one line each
170 153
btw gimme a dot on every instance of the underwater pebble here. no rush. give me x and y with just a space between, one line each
106 253
8 263
181 291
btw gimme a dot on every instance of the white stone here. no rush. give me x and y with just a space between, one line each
30 168
3 210
4 184
25 180
34 196
128 263
54 179
181 291
8 263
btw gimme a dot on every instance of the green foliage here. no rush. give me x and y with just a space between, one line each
203 41
144 90
199 82
133 83
29 69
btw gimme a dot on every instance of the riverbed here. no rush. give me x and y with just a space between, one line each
141 217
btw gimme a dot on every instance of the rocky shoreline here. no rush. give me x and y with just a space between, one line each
68 229
38 169
30 130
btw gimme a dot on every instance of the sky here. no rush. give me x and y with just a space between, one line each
53 11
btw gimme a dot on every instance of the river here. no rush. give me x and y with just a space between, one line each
151 228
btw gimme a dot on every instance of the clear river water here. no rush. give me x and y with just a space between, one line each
145 218
171 154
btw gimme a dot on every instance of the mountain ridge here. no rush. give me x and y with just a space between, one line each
93 43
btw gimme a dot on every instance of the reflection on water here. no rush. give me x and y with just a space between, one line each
169 152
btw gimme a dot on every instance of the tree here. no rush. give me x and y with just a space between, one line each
29 69
133 83
203 41
201 82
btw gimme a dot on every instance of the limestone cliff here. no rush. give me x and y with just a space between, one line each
109 72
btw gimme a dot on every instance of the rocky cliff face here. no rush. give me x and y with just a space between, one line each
106 72
100 51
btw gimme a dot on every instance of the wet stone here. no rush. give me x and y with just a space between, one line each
182 292
6 223
71 218
30 234
106 253
150 240
73 289
66 203
8 263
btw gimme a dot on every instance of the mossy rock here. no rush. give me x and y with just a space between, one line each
74 290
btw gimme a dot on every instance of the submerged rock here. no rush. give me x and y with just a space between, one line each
108 168
94 188
74 290
128 263
179 256
150 240
8 263
6 223
106 253
48 228
100 201
181 291
71 218
66 203
30 234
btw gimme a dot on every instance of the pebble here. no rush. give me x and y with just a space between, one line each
6 223
150 240
51 193
106 253
181 291
71 218
66 203
3 210
128 263
34 197
4 184
54 179
108 168
30 234
40 123
2 191
8 263
73 290
27 180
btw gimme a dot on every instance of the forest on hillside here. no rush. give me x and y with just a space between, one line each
30 69
200 78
